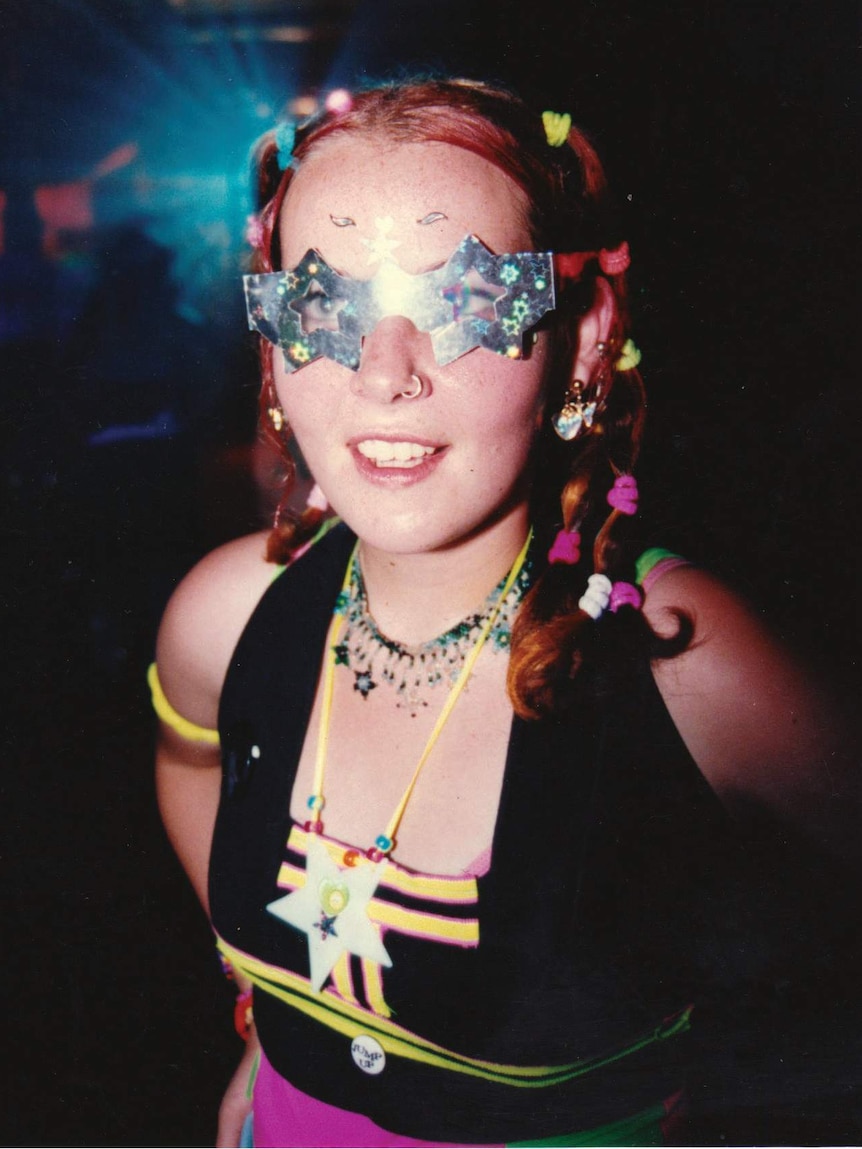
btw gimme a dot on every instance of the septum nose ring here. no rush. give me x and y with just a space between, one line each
415 390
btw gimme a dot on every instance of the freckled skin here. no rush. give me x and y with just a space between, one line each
482 411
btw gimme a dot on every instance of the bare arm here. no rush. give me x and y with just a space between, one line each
763 732
188 779
199 631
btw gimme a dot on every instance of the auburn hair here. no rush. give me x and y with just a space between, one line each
568 210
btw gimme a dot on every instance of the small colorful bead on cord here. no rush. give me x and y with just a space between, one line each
315 803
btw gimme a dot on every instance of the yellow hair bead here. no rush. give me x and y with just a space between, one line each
629 358
557 127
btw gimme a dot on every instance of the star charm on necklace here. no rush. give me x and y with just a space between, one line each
326 926
382 245
333 897
364 682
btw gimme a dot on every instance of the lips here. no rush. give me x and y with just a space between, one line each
394 453
395 458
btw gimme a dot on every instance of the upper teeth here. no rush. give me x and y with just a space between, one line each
381 451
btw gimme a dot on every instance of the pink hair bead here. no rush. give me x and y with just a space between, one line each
624 594
623 495
566 548
313 827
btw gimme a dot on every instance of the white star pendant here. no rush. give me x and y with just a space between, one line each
332 909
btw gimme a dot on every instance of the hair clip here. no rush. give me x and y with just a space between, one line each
629 357
566 548
623 495
557 127
285 138
615 261
595 599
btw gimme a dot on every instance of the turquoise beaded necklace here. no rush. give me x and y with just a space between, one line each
412 671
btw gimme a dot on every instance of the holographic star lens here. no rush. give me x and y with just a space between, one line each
476 299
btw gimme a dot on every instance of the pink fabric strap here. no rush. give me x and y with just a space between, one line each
660 570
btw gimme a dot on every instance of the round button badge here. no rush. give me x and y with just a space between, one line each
368 1054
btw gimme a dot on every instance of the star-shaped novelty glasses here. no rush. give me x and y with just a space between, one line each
476 299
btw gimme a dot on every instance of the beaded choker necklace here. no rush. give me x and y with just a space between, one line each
412 671
331 907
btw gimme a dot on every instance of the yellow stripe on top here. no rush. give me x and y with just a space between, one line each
432 927
372 979
351 1021
437 889
170 717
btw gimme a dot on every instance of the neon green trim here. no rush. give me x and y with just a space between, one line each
351 1021
642 1128
324 529
650 559
252 1076
170 717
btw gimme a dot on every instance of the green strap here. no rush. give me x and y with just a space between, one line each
650 559
643 1128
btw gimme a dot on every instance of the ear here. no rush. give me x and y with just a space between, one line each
595 328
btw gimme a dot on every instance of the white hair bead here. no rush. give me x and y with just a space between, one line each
595 599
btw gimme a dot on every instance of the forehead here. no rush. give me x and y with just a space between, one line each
434 194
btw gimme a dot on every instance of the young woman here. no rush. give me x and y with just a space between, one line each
471 842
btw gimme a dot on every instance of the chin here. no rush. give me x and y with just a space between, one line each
400 537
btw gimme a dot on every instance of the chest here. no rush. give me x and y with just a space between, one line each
372 747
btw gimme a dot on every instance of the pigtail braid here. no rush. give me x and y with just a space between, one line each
552 632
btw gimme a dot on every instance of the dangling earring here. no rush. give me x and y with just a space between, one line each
276 417
575 414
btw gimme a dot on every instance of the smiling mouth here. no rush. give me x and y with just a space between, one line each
382 453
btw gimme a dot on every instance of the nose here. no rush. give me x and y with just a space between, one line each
394 362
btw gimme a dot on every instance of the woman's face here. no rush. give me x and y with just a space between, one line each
410 474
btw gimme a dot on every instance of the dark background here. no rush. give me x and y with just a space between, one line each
127 385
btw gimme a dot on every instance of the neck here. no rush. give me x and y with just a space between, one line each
415 597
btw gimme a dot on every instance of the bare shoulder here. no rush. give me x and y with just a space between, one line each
757 722
736 693
203 621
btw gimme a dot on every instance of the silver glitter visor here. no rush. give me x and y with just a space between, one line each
476 299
